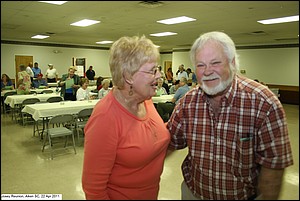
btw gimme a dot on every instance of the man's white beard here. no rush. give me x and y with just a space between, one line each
219 88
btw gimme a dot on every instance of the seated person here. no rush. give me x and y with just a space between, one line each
6 82
165 85
40 82
99 83
174 87
83 92
166 109
104 90
160 90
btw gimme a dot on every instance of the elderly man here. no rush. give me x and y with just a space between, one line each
51 74
40 82
234 128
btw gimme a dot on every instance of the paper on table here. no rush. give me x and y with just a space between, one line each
69 83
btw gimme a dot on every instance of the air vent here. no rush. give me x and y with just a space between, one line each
258 33
49 33
151 4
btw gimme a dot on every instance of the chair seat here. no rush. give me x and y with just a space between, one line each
81 124
59 131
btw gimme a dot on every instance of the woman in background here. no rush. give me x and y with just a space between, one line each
69 91
6 82
83 92
24 81
104 90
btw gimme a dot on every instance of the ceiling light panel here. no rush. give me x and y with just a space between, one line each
54 2
163 34
280 20
85 23
176 20
40 36
105 42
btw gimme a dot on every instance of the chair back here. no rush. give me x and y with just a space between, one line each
29 101
54 99
85 113
47 91
62 119
9 93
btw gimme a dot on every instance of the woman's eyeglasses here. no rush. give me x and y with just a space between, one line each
152 72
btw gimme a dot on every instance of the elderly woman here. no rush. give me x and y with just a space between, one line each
83 92
69 84
24 81
125 161
104 90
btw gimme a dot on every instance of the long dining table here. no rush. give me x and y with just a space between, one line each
46 110
15 100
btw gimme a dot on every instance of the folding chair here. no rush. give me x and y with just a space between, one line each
61 122
25 102
81 119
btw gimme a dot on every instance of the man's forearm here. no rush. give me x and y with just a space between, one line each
269 183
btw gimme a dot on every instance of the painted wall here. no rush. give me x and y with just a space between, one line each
272 66
61 60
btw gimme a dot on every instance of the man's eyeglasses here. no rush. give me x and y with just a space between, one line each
153 71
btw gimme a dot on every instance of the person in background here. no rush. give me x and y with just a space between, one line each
36 70
105 88
24 82
192 77
90 73
234 128
125 161
70 92
160 90
83 92
181 73
174 87
169 75
29 71
99 83
6 82
40 82
163 75
51 74
165 109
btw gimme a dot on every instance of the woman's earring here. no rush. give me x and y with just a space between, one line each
130 91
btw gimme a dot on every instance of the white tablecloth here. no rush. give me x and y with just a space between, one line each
18 99
45 110
162 98
36 90
5 91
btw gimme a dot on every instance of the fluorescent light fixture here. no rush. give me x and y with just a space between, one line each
280 20
163 34
40 36
176 20
105 42
54 2
85 23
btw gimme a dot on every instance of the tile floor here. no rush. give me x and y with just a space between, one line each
25 169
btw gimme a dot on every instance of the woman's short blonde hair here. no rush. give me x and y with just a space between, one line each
107 81
128 54
72 68
83 80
